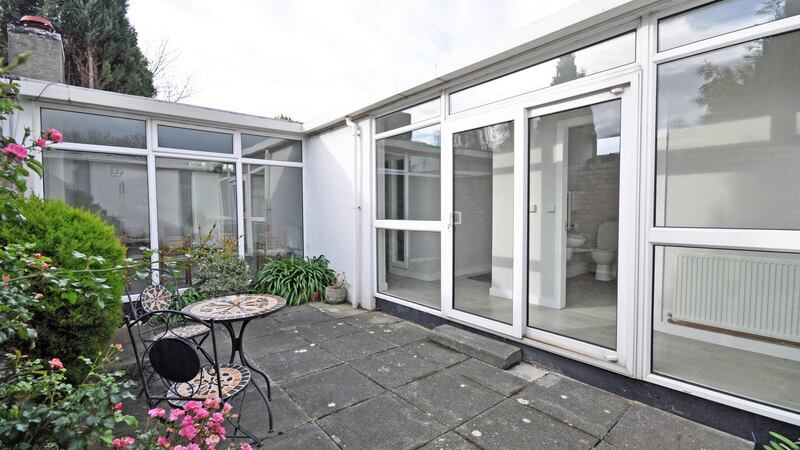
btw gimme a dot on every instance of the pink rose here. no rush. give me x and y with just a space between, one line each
188 432
245 446
201 413
41 143
192 406
37 255
118 346
6 278
17 150
187 421
226 407
118 406
55 363
217 417
122 443
163 441
156 412
54 135
212 441
38 296
187 447
176 414
212 402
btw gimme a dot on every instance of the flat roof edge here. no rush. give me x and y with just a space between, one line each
577 18
39 90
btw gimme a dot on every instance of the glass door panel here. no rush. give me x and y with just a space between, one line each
483 221
573 218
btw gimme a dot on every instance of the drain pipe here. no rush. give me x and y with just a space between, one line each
356 210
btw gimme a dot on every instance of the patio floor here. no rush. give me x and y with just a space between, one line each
356 379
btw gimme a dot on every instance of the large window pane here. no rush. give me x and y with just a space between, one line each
271 148
409 175
728 137
483 202
195 197
600 57
409 266
414 114
720 18
573 218
191 139
273 212
114 186
83 128
727 320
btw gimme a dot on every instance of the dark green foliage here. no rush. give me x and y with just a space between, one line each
221 274
70 325
782 443
100 45
295 279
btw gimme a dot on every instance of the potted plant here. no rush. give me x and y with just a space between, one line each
337 292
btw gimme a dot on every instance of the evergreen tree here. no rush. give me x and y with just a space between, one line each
100 45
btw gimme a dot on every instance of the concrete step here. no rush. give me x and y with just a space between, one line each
488 350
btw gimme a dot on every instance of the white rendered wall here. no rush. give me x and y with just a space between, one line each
329 204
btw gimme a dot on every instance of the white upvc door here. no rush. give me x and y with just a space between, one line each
549 318
482 268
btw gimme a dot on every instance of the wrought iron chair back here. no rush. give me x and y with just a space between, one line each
176 362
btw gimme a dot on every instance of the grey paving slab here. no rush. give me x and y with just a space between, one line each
449 399
302 317
528 371
330 390
645 427
489 350
338 311
273 343
511 425
286 310
399 333
394 368
434 352
371 318
450 441
325 331
590 409
297 362
382 422
489 376
602 445
304 437
355 345
286 413
261 327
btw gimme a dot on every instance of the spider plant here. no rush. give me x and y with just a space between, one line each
295 279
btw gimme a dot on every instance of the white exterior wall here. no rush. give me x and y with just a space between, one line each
330 203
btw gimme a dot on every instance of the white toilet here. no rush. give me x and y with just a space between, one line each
606 252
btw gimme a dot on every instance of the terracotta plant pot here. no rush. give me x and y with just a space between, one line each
335 295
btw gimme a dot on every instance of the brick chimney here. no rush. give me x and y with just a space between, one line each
37 36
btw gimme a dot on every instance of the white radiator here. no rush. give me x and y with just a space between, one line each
754 295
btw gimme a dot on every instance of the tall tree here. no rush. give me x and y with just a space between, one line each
100 46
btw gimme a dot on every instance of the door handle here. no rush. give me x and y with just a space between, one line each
456 218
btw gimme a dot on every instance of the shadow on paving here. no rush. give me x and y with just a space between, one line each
355 379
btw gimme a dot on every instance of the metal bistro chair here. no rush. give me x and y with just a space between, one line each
183 370
160 296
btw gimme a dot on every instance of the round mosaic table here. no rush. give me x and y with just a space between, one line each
239 308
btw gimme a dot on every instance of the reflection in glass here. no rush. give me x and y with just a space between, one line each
573 223
719 18
191 139
728 127
483 205
409 175
273 212
726 318
414 114
83 128
195 197
114 186
409 266
587 61
271 148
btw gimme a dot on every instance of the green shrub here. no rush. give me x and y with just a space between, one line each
295 279
69 326
221 274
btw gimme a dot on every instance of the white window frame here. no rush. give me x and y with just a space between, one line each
734 239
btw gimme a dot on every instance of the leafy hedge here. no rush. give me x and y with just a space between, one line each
69 326
295 279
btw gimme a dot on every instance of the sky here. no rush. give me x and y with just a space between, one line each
310 58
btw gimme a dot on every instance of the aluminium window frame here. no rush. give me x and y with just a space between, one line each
786 241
